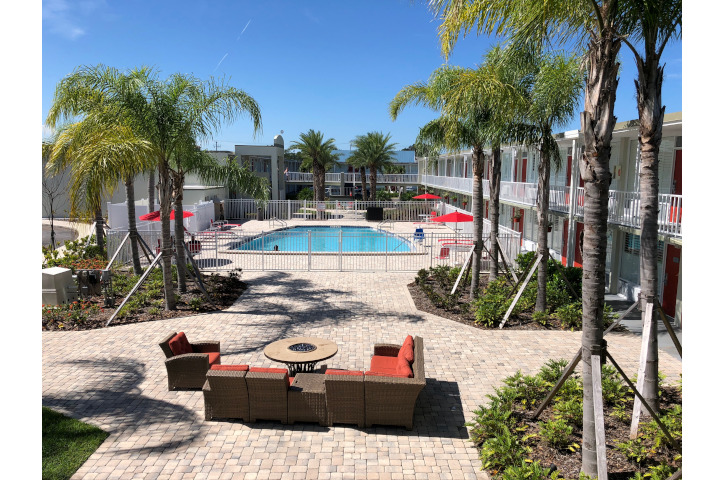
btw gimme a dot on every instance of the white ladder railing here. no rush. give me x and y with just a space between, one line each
274 221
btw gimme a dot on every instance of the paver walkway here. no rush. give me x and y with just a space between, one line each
115 379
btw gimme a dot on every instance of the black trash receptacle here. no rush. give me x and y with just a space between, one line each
374 213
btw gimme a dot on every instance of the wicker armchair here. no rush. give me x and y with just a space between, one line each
267 395
225 395
189 369
391 400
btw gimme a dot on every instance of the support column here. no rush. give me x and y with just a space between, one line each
571 242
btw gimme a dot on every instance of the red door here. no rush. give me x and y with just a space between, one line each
578 262
568 171
672 279
523 169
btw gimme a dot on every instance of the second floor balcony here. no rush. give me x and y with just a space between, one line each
623 206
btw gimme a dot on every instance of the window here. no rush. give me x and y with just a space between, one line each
631 243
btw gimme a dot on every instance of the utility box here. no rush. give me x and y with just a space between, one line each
374 213
89 282
58 286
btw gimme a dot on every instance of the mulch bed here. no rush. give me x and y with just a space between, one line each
461 314
619 467
224 291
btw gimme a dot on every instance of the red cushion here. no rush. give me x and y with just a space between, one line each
233 368
403 368
288 380
406 351
179 344
214 358
383 364
291 380
332 371
268 370
385 374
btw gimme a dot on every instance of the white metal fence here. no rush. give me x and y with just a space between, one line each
320 250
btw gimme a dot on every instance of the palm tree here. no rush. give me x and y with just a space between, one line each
653 24
99 157
169 115
596 24
552 88
375 152
468 120
359 162
318 154
229 174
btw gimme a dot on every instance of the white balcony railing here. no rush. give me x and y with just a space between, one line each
404 178
307 177
299 177
462 185
623 206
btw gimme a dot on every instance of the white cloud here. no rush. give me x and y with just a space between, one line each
67 18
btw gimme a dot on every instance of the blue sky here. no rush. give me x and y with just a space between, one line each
330 66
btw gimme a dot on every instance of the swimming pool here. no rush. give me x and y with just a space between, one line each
328 239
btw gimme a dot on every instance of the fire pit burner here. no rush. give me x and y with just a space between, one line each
302 347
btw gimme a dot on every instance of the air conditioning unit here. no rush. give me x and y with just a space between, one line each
58 286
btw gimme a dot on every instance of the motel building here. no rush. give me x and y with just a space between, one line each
451 174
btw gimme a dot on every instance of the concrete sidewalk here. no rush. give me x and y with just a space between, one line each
115 378
633 323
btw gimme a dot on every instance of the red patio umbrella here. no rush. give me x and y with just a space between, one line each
454 217
156 216
427 196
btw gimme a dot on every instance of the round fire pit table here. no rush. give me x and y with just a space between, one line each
300 354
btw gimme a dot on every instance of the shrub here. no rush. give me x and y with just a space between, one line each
553 370
614 389
196 303
570 315
556 432
570 410
422 276
528 470
542 318
502 450
305 194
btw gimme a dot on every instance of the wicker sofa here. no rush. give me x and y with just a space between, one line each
349 397
188 370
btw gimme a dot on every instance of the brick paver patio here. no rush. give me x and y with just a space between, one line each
115 379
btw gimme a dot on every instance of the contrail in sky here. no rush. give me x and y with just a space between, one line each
245 28
227 54
220 62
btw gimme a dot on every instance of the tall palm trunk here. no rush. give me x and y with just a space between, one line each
364 182
543 225
495 191
178 195
99 228
131 211
651 115
152 191
165 200
597 122
318 183
373 183
477 209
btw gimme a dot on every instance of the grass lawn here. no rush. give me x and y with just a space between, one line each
67 443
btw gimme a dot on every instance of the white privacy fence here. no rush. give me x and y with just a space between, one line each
324 249
118 217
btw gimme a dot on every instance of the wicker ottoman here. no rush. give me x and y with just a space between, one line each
306 399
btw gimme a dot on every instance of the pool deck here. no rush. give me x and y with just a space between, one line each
115 378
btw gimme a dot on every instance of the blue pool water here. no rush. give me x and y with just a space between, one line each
327 239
